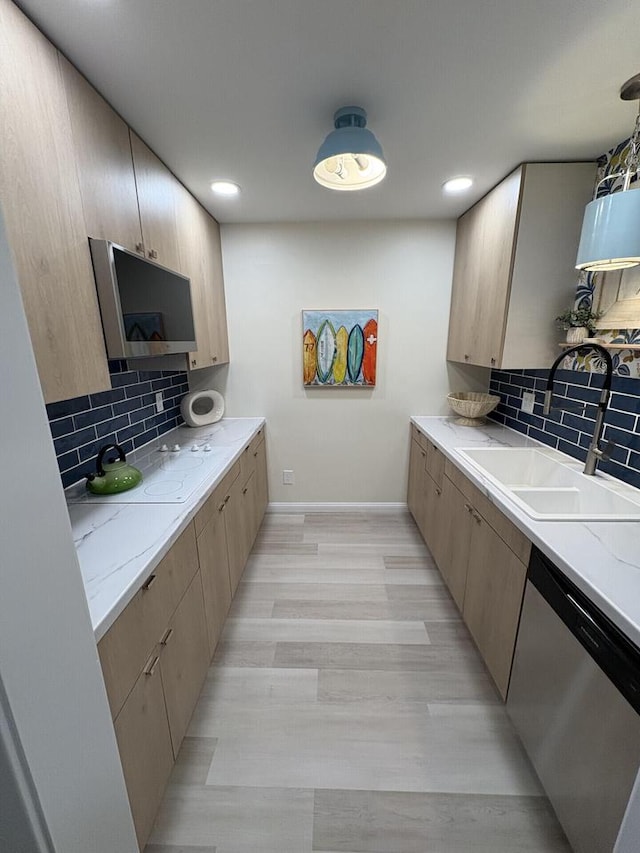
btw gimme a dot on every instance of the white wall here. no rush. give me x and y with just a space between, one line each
342 444
49 669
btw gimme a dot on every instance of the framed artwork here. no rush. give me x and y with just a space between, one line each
339 348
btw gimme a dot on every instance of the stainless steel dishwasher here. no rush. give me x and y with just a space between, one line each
574 699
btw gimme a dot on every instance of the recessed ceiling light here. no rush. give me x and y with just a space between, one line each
227 188
457 185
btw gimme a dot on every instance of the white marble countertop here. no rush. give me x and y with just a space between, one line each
119 544
601 558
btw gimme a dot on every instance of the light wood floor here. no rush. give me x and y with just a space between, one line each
347 711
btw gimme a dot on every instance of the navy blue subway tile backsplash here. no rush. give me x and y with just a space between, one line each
570 427
125 415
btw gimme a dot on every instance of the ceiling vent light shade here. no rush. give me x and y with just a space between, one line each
457 185
226 188
351 157
610 238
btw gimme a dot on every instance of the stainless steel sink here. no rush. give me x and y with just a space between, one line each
550 486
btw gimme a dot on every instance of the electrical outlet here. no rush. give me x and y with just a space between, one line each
287 478
528 399
159 402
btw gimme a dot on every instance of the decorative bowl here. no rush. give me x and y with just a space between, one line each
472 406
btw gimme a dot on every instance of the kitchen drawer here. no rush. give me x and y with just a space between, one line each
248 458
434 458
416 435
126 646
508 532
210 508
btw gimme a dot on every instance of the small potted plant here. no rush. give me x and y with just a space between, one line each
578 323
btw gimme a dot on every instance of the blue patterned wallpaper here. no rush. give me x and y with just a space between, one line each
126 415
571 431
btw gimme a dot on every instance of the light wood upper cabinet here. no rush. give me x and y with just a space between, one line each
105 165
193 252
214 282
43 212
158 202
514 268
201 260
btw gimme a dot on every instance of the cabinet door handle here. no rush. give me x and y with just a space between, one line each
226 500
153 254
151 665
214 358
149 583
222 505
245 490
140 248
493 361
438 491
466 357
468 507
477 518
255 454
424 454
193 362
166 636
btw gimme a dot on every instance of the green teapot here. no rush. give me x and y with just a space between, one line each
114 475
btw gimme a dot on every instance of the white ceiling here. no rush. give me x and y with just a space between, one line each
246 89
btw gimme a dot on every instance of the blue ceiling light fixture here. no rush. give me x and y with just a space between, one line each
610 238
351 157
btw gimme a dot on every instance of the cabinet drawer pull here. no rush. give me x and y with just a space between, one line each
222 506
245 490
468 507
438 491
424 454
153 254
151 665
166 636
255 454
493 361
193 362
149 583
466 357
477 518
140 248
214 358
226 500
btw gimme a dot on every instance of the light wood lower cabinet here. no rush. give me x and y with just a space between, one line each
214 565
184 660
128 643
156 654
262 485
238 522
493 599
144 742
481 555
455 538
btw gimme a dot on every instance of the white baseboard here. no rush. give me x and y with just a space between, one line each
279 507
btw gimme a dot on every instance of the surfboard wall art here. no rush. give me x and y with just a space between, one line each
339 348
